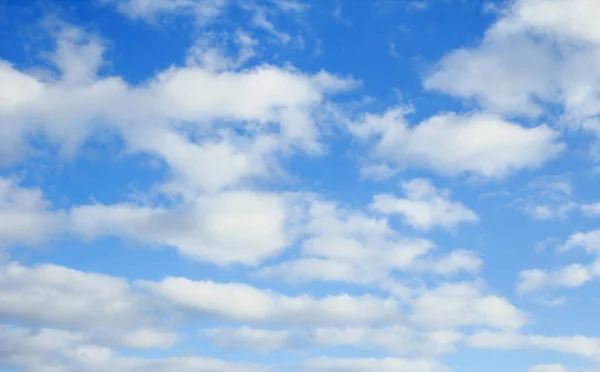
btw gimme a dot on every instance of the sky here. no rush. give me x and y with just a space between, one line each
304 186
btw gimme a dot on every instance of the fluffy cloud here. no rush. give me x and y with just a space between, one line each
482 144
538 53
592 209
218 132
549 368
398 340
273 105
231 227
352 246
465 304
370 364
63 351
27 218
578 345
589 241
571 276
424 207
243 303
100 313
214 130
56 295
204 10
550 198
253 339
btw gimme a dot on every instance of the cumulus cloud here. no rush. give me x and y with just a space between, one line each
369 364
589 241
398 340
241 302
273 105
552 197
465 304
231 227
424 207
571 276
537 54
204 10
263 15
59 296
248 338
579 345
49 349
219 132
352 246
549 368
214 130
482 144
27 217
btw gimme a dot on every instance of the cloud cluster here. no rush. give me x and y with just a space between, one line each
424 207
482 144
537 54
354 246
222 132
27 218
84 320
571 276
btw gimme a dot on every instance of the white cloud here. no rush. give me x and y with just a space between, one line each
48 350
377 171
370 364
148 339
549 368
398 340
215 131
27 218
449 264
482 144
274 106
548 212
218 129
231 227
538 53
78 56
94 309
590 241
204 10
262 15
424 207
55 295
548 198
592 209
579 345
571 276
417 5
551 197
465 304
394 51
252 338
352 246
312 269
241 302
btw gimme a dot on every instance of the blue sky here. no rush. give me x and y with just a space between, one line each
286 185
